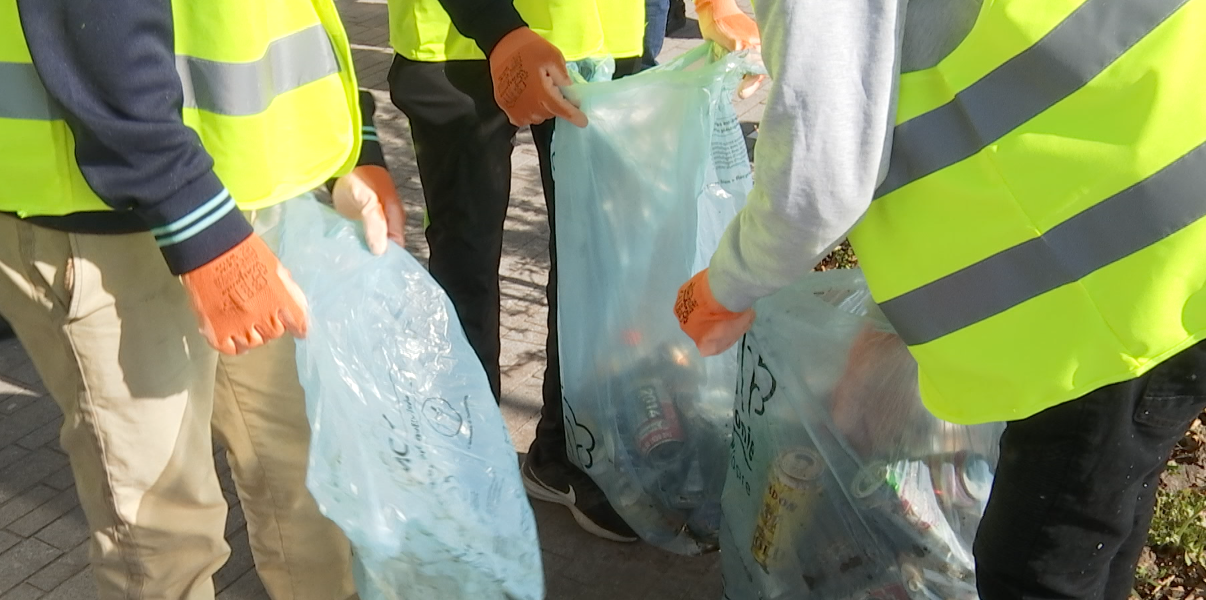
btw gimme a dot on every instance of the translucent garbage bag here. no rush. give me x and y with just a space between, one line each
409 454
841 485
643 196
591 69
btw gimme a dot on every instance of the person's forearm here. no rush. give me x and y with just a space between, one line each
823 142
370 141
111 66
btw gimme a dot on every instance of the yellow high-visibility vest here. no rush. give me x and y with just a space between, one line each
1041 231
420 30
268 86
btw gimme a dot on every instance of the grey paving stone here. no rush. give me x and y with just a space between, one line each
25 503
27 374
27 419
22 592
67 531
82 586
225 475
557 532
11 454
11 355
559 587
704 584
63 568
23 560
26 472
248 587
8 540
239 563
221 464
61 479
11 403
235 520
44 435
10 387
40 517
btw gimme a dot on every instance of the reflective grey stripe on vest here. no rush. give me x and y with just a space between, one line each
22 95
234 89
1084 45
1117 227
243 89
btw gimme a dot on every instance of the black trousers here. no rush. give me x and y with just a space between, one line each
1076 487
463 143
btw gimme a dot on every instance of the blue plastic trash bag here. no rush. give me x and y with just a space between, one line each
409 454
841 484
643 195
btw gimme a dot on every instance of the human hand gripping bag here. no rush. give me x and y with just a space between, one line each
841 485
644 193
409 454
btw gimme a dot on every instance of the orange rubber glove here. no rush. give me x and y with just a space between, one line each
367 194
713 327
722 22
245 298
527 70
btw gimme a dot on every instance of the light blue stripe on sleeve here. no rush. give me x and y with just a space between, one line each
192 217
199 226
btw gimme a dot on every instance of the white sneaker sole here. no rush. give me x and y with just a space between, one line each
541 492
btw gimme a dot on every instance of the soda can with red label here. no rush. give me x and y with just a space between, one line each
659 434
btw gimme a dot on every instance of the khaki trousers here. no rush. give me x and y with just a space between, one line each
111 333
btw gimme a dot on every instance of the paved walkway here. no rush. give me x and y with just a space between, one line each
43 553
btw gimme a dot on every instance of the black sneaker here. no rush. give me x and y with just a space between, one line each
564 484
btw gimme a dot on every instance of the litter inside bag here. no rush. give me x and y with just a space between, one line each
644 194
409 454
841 484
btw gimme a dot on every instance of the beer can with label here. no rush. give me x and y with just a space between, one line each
791 494
658 432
